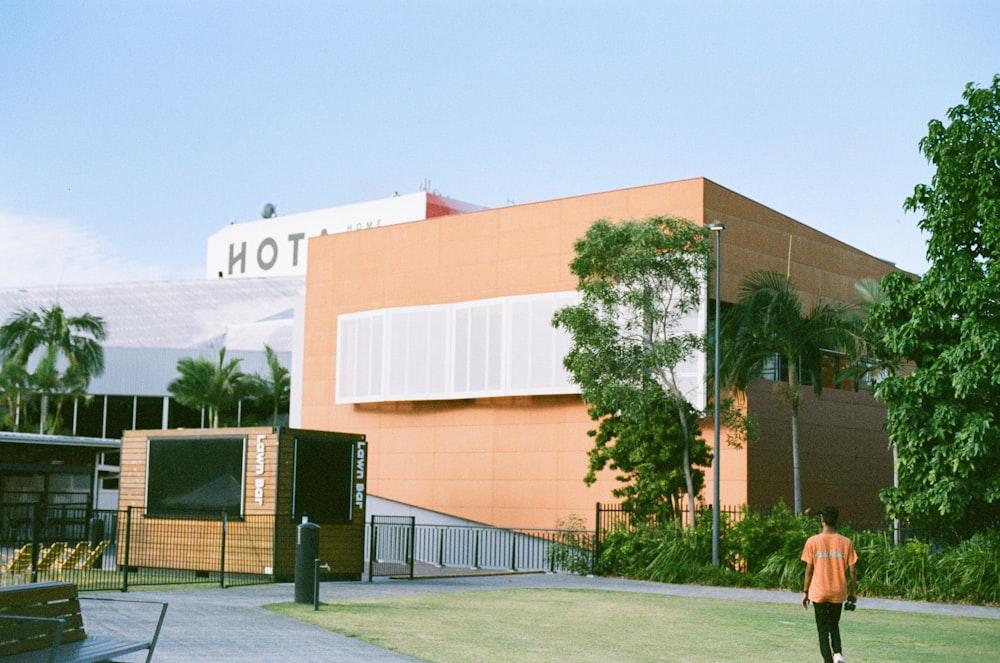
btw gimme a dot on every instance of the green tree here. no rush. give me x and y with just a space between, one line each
216 387
942 414
638 280
871 358
15 389
273 391
56 340
769 322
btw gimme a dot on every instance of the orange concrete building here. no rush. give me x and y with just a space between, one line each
447 366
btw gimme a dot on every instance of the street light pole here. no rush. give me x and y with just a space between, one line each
717 228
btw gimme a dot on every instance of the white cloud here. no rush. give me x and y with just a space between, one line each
40 251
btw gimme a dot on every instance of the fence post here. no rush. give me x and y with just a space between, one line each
513 551
128 544
222 554
441 549
411 545
372 548
475 553
596 548
36 526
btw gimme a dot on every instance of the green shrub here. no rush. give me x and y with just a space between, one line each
624 553
678 556
877 573
755 540
780 571
970 571
764 551
572 549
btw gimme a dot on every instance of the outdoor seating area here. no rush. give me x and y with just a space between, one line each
56 559
44 622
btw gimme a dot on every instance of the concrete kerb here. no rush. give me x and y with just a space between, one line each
230 624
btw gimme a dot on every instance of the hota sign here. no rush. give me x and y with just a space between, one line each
278 246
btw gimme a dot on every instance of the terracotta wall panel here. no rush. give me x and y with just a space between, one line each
540 465
524 494
465 439
524 249
468 466
845 458
402 465
526 438
467 495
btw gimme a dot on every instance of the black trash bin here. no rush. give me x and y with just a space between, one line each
306 554
95 531
95 534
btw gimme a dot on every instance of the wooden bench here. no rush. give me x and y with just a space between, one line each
42 622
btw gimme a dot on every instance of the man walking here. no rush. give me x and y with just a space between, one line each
830 559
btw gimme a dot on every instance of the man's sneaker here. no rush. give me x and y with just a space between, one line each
838 658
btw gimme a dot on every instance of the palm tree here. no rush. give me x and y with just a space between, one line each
273 391
767 322
75 340
14 390
873 359
206 385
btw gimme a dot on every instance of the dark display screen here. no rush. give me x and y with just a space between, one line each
324 480
195 477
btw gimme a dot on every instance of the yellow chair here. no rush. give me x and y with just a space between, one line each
50 556
19 562
93 556
75 556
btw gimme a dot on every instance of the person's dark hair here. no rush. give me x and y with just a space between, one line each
830 515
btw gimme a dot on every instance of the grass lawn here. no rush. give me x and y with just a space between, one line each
582 626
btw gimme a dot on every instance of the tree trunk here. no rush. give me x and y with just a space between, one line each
688 477
690 484
793 399
56 416
796 476
43 414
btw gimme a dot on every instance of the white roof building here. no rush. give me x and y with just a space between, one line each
253 296
278 245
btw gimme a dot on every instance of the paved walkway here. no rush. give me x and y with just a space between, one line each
230 625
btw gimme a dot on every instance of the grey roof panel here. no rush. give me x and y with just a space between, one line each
153 325
182 314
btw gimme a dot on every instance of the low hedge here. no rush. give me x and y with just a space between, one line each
764 551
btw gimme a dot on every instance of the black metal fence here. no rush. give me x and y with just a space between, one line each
390 546
399 547
122 549
612 516
609 517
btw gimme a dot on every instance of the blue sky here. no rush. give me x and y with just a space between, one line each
130 131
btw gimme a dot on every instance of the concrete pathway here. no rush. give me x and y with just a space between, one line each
230 625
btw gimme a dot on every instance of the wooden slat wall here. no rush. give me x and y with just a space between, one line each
173 544
340 546
170 543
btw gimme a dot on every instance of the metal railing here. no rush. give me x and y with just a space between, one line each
396 545
610 516
389 546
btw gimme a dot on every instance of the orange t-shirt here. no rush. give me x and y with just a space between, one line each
831 555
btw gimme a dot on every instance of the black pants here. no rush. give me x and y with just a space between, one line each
828 625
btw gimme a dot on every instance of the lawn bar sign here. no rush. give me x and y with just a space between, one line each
359 474
258 484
